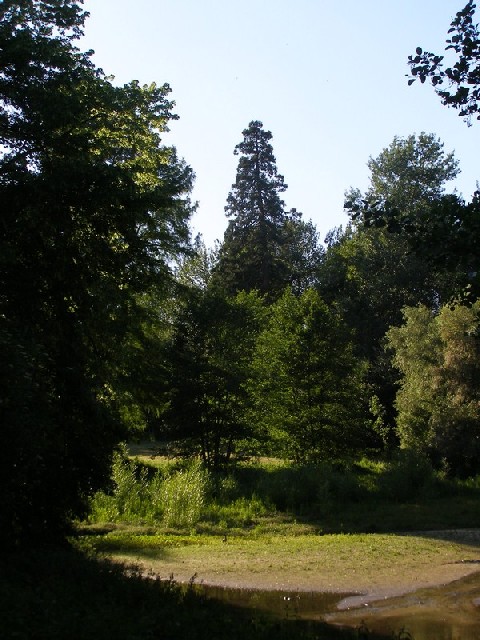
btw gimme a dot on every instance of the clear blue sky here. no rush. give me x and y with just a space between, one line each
326 77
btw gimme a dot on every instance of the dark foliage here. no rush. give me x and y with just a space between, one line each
92 209
463 77
209 358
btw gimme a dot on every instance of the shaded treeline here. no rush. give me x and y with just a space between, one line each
113 321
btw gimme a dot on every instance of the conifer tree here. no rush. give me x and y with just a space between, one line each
306 383
258 250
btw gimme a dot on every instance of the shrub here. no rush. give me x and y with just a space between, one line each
308 487
242 512
407 476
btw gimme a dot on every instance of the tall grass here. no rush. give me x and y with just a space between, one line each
138 496
187 496
182 496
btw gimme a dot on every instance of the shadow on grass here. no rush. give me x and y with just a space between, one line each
60 593
405 497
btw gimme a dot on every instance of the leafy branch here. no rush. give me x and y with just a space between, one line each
463 77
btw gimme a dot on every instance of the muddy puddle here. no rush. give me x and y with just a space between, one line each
450 612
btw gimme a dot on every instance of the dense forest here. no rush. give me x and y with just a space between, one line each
116 324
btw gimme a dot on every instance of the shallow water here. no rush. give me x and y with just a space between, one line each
291 604
450 612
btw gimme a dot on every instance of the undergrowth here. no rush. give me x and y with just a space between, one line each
366 496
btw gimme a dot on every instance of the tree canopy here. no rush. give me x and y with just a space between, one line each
438 399
112 318
406 178
93 209
209 358
307 383
407 197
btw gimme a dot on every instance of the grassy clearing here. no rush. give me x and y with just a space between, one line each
320 528
268 525
338 562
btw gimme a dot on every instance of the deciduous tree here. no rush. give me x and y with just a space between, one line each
93 209
209 361
372 272
407 197
406 178
438 400
463 77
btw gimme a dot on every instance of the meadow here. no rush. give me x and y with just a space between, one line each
266 524
133 566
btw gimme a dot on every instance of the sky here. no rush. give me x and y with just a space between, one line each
326 77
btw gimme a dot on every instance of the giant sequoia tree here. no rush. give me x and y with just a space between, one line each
93 207
265 247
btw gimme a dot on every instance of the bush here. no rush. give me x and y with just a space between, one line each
307 487
242 512
407 477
